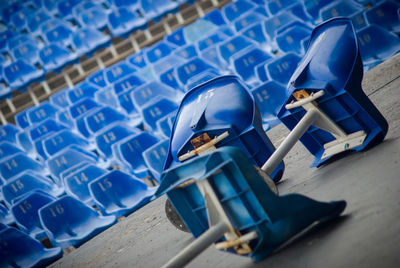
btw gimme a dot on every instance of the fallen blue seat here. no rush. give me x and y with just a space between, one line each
25 212
236 9
129 151
280 69
246 61
343 100
145 93
87 40
31 254
119 193
77 183
122 21
6 217
376 45
54 57
224 184
270 97
27 182
339 9
17 164
155 157
67 159
8 149
42 112
211 109
111 135
155 110
385 14
19 73
293 38
69 222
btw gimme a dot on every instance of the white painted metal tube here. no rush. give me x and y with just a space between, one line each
197 246
301 127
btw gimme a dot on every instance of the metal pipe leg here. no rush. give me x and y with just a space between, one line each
197 246
307 120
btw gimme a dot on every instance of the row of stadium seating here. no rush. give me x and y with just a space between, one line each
96 145
52 41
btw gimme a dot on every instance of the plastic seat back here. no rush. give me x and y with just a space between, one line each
17 164
155 157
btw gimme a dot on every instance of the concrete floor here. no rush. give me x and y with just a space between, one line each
368 235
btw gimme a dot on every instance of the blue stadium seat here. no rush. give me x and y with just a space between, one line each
314 6
236 9
27 182
86 40
122 21
376 44
127 83
17 164
280 69
65 8
359 20
36 19
81 91
42 112
94 17
61 35
215 16
63 139
212 39
186 52
20 39
138 59
158 51
107 97
5 36
339 8
31 254
118 71
192 68
60 99
111 135
50 5
25 212
69 222
280 22
154 8
293 38
145 93
129 151
246 21
67 159
98 79
101 118
246 61
44 128
51 24
78 9
9 10
270 97
276 6
8 149
126 103
19 19
19 73
28 51
155 110
9 133
6 217
77 183
386 14
232 46
200 79
119 193
53 57
84 106
164 124
211 55
155 157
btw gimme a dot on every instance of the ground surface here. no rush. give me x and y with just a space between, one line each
367 236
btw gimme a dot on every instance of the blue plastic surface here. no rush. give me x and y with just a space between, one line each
340 77
8 149
31 254
119 193
155 157
222 104
69 222
386 14
246 199
155 110
17 164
